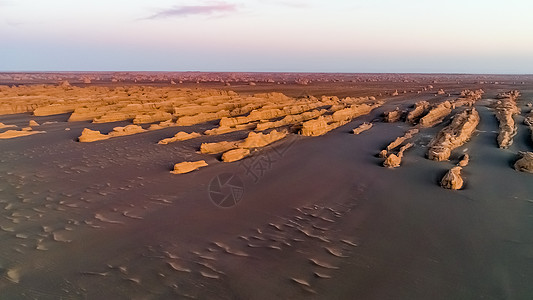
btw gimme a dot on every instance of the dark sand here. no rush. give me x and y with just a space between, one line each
323 220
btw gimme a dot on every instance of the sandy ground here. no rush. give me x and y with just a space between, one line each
316 217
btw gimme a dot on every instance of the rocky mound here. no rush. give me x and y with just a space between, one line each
454 135
452 180
363 127
506 109
180 136
186 167
525 162
418 110
394 160
436 114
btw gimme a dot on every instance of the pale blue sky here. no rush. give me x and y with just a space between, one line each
468 36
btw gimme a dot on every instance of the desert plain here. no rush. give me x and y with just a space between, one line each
140 185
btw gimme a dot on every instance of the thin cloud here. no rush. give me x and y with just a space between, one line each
293 4
189 10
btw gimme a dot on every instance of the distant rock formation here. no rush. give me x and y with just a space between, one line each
89 135
259 140
324 124
33 123
506 109
436 114
186 167
454 135
525 162
452 180
468 98
180 136
363 127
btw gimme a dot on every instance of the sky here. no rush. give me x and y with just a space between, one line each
357 36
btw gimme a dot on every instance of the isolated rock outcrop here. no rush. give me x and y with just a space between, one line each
235 154
418 110
363 127
454 135
2 126
9 134
394 160
525 162
393 116
186 167
452 180
506 109
126 130
33 123
88 135
180 136
399 140
436 114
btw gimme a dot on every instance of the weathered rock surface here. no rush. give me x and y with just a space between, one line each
126 130
452 180
186 167
468 98
506 109
436 114
399 140
324 124
393 116
418 110
464 161
152 118
363 127
33 123
290 120
214 148
9 134
454 135
259 140
2 126
180 136
525 162
394 160
235 154
88 135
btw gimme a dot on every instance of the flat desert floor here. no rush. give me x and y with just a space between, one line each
300 208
